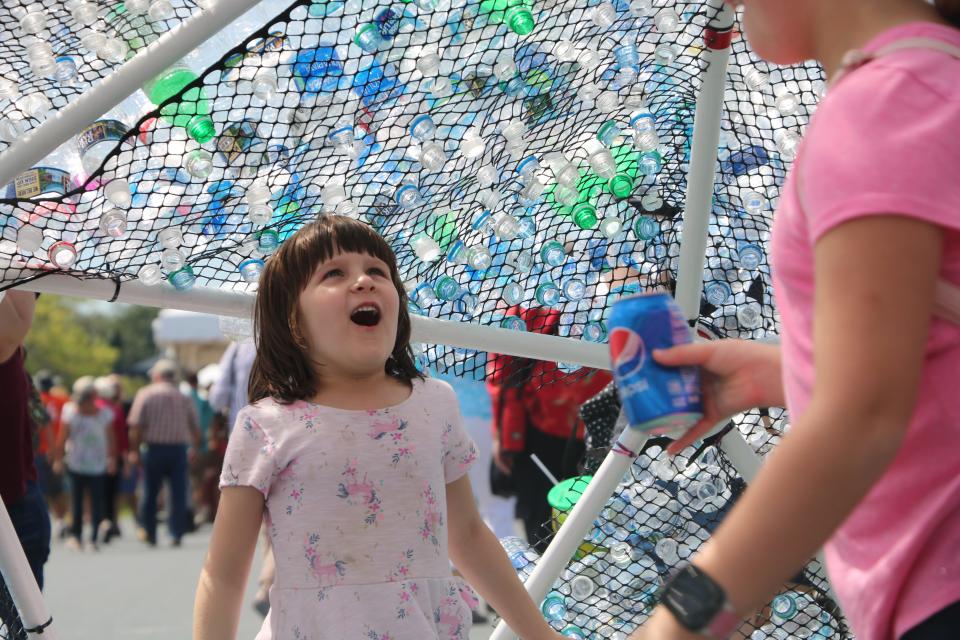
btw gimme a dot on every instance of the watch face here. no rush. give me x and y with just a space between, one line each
694 598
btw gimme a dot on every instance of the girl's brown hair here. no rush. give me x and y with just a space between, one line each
282 368
949 10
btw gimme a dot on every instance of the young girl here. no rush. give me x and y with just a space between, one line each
866 244
357 463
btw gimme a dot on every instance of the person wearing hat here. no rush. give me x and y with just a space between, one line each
164 422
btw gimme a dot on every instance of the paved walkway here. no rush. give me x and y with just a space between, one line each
129 591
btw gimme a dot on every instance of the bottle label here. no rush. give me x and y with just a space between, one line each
236 139
317 70
37 181
258 47
100 131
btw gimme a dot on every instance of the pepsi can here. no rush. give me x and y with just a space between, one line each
657 399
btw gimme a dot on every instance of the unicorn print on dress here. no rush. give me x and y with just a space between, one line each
325 568
432 517
360 492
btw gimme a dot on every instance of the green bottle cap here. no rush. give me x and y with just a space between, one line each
520 20
585 216
201 129
621 186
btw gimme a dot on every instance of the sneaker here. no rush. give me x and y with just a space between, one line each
73 544
175 542
93 547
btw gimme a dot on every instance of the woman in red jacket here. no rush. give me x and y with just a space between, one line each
536 411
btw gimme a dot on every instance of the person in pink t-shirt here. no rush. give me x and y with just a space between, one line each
866 257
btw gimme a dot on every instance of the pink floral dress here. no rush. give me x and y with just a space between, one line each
356 510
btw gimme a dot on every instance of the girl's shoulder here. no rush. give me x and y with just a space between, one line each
268 409
433 390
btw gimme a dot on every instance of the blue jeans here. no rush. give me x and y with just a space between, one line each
164 461
92 483
32 524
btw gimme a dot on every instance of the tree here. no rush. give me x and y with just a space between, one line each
59 342
129 329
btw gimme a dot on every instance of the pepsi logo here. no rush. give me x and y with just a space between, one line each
627 351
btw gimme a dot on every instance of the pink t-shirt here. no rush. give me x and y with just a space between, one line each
886 139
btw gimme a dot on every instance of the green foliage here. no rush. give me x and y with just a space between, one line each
69 339
59 342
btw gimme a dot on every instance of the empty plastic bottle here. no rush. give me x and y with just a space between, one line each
191 110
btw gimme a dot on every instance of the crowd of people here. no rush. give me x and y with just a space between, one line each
77 459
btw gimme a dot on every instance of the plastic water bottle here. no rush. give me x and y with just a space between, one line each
472 145
604 15
514 323
750 315
96 141
446 288
84 13
666 21
512 294
40 56
425 247
553 254
717 292
600 159
251 269
114 223
32 18
408 197
432 156
753 202
192 109
547 294
183 278
35 105
553 607
750 256
62 254
516 14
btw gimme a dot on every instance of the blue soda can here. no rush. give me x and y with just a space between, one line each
660 400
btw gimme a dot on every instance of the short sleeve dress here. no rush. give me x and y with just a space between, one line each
356 510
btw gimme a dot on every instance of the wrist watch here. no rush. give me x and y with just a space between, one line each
699 604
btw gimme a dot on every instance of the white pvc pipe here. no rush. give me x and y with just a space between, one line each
579 521
19 579
117 86
424 330
703 161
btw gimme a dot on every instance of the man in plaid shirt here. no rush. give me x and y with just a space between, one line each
165 422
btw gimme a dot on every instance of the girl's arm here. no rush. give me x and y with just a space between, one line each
477 555
223 578
872 315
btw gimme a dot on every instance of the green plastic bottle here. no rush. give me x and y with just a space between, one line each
516 14
191 111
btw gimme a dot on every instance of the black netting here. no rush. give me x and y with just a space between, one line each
662 512
299 120
11 626
52 51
